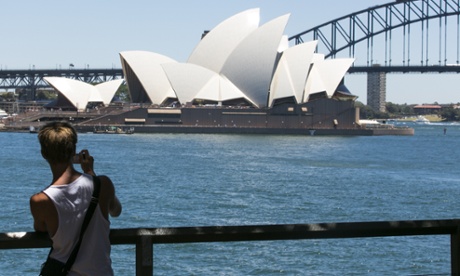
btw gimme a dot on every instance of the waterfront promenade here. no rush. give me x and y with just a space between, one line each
145 238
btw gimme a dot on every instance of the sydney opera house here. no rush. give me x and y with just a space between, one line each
242 77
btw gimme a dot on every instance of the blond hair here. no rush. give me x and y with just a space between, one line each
58 141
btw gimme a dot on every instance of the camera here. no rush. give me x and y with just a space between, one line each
76 159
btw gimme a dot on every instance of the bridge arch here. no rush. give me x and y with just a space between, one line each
346 32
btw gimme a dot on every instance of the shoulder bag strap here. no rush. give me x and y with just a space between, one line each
89 213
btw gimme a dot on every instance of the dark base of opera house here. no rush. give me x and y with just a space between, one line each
320 117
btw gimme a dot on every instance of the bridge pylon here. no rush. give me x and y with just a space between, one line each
376 90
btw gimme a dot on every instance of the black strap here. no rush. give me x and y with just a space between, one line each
89 214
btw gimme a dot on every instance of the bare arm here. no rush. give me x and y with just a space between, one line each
39 222
115 207
109 202
86 162
113 202
44 214
109 197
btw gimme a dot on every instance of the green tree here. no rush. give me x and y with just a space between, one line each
393 111
365 111
398 110
450 114
45 95
407 110
8 96
123 94
392 108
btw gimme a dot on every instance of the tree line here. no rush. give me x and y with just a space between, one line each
450 112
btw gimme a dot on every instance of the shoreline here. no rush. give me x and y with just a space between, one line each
174 129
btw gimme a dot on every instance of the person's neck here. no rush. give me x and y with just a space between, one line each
63 173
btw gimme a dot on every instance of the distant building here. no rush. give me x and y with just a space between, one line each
376 90
427 109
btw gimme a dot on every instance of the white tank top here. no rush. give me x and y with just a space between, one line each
72 201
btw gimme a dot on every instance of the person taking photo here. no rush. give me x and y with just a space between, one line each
60 208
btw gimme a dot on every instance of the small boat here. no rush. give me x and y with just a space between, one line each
33 129
114 130
3 114
421 120
368 122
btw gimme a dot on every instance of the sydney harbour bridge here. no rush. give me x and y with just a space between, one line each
403 36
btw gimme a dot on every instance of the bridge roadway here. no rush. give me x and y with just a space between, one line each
32 79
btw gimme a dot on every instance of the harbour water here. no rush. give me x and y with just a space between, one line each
172 180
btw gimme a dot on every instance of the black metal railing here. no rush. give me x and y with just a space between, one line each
145 238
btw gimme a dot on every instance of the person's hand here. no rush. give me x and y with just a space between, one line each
86 162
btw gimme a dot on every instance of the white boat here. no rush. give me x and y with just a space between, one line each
33 129
421 120
3 114
368 122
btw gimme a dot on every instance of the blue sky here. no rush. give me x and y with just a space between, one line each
51 34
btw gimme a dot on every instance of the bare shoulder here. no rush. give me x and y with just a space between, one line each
106 185
44 213
39 199
40 202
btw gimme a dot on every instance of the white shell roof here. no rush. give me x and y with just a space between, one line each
291 73
326 75
80 93
314 83
147 67
214 49
107 90
284 44
332 72
237 59
250 66
191 82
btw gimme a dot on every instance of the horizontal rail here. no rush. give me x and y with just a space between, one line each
405 69
144 238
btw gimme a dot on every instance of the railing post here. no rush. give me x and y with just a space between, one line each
455 251
144 256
